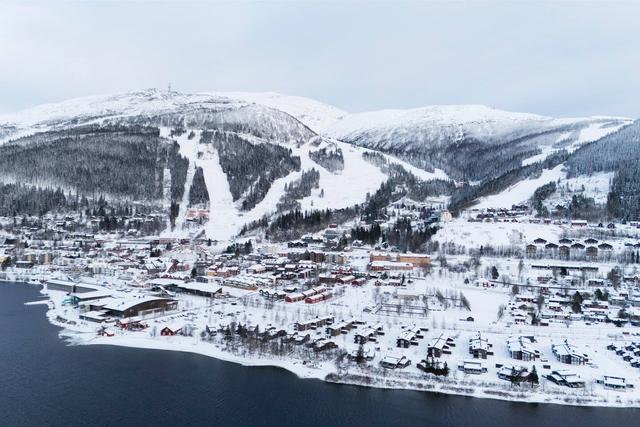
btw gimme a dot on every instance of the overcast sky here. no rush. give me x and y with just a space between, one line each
561 59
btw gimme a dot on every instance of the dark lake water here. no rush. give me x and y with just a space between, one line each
44 382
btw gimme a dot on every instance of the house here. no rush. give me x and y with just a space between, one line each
409 337
566 378
440 346
605 247
567 353
313 323
564 251
577 246
479 347
614 383
540 241
395 362
368 334
472 367
171 330
522 348
340 328
531 250
592 252
512 373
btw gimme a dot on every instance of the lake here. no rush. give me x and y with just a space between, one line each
46 382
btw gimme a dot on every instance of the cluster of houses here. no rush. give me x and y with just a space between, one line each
628 351
589 249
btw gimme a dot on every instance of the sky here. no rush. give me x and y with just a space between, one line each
567 58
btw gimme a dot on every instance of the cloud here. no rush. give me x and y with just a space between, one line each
562 59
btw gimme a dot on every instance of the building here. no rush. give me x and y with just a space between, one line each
522 348
136 306
567 353
479 347
566 378
440 346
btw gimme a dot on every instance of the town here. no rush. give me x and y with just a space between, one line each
543 311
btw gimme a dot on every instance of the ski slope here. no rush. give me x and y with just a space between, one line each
522 191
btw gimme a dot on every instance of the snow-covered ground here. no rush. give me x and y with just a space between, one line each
248 308
476 234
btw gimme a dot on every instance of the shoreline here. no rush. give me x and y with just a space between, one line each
326 371
453 388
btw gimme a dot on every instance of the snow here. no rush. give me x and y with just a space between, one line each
478 117
521 191
189 150
223 215
595 186
347 187
476 234
314 114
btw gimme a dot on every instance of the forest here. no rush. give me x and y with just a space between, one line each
251 168
298 189
331 160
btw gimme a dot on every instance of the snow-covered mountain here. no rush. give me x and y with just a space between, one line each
435 125
156 107
247 155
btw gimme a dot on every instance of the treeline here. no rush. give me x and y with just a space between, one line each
331 160
465 196
617 152
292 225
251 168
401 183
468 158
298 189
119 161
541 194
19 199
401 235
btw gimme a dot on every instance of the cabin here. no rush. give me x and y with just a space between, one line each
318 322
531 250
614 383
512 373
522 348
472 367
566 378
479 347
592 251
605 247
409 337
564 251
171 330
395 362
566 352
440 346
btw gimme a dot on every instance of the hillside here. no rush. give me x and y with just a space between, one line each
244 157
470 142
